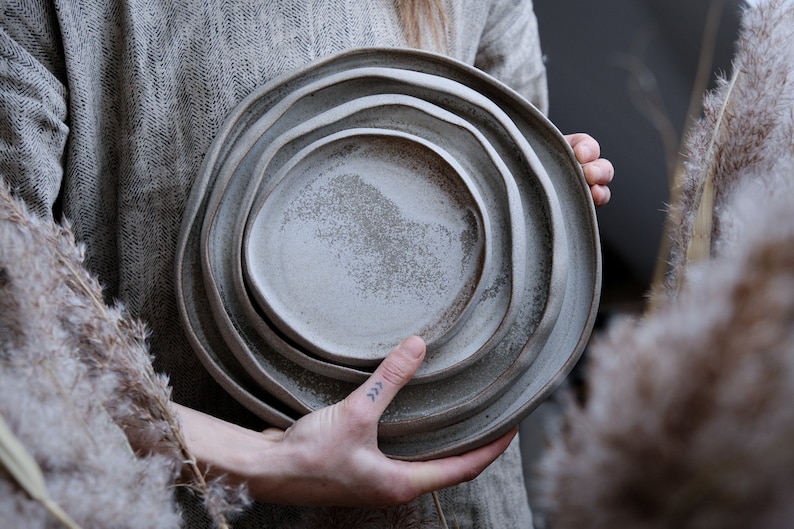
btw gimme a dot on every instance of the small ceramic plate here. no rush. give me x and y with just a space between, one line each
368 225
320 180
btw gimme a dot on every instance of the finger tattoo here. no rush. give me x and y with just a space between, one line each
374 390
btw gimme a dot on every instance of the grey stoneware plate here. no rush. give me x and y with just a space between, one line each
380 193
335 230
489 317
220 254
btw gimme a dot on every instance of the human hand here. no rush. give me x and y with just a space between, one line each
598 172
331 456
334 451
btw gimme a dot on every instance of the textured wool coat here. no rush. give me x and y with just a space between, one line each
107 108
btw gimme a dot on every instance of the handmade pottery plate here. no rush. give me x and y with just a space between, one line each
381 193
489 317
374 225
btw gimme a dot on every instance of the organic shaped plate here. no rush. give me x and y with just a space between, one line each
479 387
373 225
455 354
545 320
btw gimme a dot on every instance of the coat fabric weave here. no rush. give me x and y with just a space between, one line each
106 111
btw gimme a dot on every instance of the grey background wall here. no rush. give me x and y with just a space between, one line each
596 51
598 54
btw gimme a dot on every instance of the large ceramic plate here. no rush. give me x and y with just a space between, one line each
381 193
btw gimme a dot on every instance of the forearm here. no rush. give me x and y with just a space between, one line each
274 469
331 456
239 454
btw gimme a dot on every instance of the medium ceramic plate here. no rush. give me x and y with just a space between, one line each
490 316
543 321
253 163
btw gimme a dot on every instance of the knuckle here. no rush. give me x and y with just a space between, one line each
395 372
470 474
397 491
355 421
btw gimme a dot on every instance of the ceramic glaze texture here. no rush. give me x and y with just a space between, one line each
365 227
381 193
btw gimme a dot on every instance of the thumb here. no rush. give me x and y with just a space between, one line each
392 374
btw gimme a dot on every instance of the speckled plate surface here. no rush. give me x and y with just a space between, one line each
363 225
528 309
492 315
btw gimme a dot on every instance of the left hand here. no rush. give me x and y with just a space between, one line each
598 172
331 456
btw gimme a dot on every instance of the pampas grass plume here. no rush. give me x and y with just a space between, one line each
688 420
78 390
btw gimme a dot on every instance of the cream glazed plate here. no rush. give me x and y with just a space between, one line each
381 193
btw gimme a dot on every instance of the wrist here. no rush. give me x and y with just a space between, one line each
258 459
219 447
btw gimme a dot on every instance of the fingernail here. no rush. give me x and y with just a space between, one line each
413 346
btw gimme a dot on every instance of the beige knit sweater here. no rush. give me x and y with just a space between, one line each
107 108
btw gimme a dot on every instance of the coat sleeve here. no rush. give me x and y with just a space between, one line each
33 110
510 50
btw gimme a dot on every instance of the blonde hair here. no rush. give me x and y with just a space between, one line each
422 17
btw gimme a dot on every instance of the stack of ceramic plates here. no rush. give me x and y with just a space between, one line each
378 194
